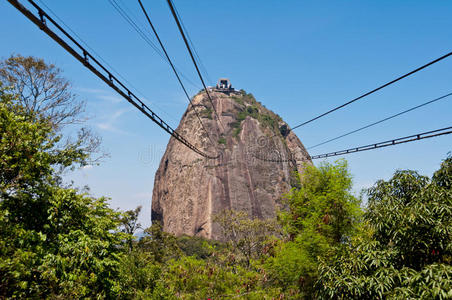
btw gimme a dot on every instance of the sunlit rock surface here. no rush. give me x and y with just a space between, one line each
258 157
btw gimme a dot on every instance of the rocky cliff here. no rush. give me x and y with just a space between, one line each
257 157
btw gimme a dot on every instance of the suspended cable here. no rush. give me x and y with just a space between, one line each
103 60
174 70
144 36
132 23
136 17
381 121
201 65
90 62
397 141
374 90
171 5
402 140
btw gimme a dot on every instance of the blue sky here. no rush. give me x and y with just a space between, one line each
299 58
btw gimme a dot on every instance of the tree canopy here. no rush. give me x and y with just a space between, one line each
40 87
321 216
54 240
404 248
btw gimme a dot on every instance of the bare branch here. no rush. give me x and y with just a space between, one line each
41 88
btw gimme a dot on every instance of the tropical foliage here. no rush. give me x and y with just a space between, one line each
58 242
321 217
54 240
404 250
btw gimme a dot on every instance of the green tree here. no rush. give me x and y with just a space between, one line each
129 224
320 215
161 245
191 278
139 276
40 87
404 250
198 246
54 240
246 236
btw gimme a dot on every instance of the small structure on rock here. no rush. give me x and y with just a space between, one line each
224 85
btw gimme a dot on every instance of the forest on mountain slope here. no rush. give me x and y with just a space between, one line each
59 242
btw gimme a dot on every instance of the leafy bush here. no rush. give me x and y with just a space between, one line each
268 121
191 278
321 215
197 246
236 128
249 98
207 113
405 247
236 132
54 241
252 111
238 100
246 236
241 115
265 117
139 275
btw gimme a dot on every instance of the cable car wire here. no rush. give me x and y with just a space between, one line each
402 140
374 90
201 65
137 28
381 121
171 5
174 70
393 142
91 63
144 36
103 60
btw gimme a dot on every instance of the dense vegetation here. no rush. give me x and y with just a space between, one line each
56 241
249 106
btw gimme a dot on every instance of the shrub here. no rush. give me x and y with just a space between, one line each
404 250
55 242
321 215
207 113
236 131
238 100
268 121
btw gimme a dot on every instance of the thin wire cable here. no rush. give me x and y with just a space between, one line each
132 23
397 141
174 70
144 36
41 20
104 61
203 68
381 121
402 140
171 5
137 18
374 90
147 31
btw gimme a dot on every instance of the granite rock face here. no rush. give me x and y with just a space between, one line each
257 157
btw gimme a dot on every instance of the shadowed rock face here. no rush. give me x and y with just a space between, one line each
256 164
